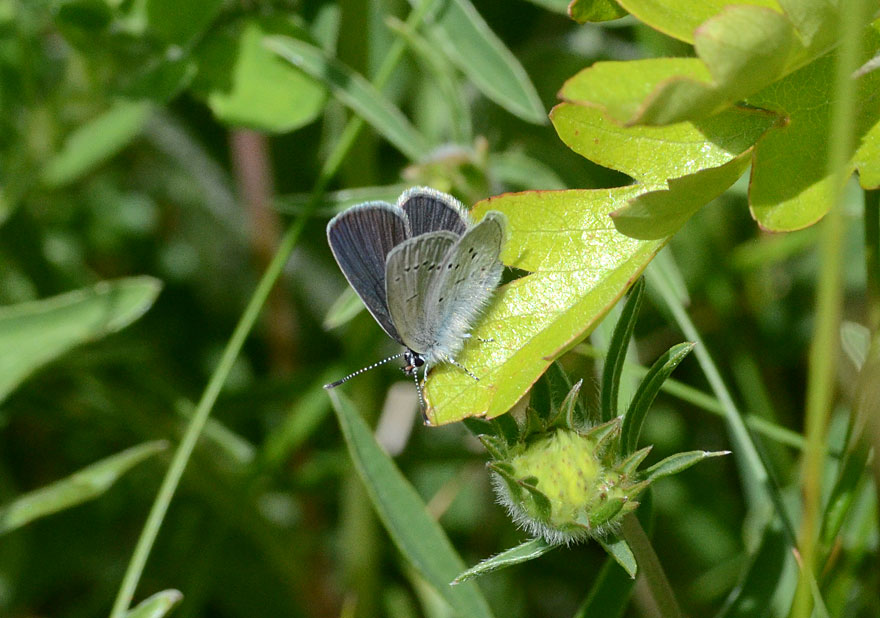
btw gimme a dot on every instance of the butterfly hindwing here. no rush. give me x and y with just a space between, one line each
361 239
470 274
430 211
413 269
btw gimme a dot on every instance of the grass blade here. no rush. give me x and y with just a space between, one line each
419 537
79 487
617 348
355 92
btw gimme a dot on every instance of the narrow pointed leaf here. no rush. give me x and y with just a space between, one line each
156 606
534 548
81 486
96 141
418 536
355 92
855 340
678 463
618 549
617 348
647 392
35 333
472 46
845 491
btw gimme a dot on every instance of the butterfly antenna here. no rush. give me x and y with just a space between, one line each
423 408
360 371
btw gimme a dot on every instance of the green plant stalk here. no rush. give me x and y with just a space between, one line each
872 256
649 566
757 475
194 429
829 299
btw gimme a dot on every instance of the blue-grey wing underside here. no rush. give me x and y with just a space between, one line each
470 274
430 211
413 269
361 239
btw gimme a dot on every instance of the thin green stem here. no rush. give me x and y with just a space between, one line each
872 256
756 474
242 329
650 567
829 299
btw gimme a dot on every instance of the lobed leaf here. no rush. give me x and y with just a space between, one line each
417 535
583 11
88 483
34 333
579 267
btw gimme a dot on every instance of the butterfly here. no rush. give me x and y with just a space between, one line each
423 270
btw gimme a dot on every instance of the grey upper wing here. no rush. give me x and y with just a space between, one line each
470 274
429 210
361 238
412 271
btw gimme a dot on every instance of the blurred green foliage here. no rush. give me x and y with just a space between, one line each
168 139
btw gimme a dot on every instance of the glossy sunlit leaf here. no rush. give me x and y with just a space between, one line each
741 50
578 265
34 333
531 549
651 155
156 606
247 85
417 535
88 483
470 44
96 141
354 91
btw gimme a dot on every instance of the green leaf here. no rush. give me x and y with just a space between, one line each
790 186
247 85
95 142
180 22
346 306
157 605
679 463
618 549
579 267
337 201
355 92
742 49
583 11
419 537
845 490
88 483
652 155
658 214
534 548
613 366
647 392
465 38
34 333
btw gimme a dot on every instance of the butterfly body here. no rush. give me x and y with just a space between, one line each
422 269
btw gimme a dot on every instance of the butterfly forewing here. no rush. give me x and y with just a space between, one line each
470 274
412 271
431 211
361 239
